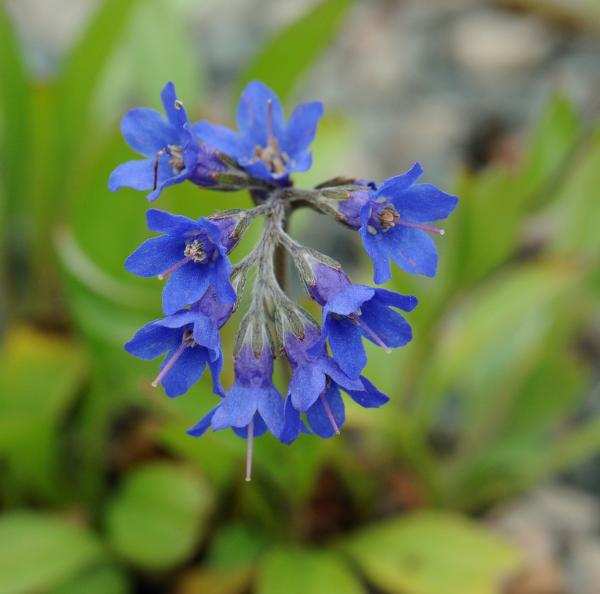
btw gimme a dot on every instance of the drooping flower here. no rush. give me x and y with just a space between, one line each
190 253
314 388
353 312
252 404
191 340
172 154
392 223
265 145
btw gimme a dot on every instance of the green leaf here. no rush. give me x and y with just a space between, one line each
432 553
159 515
104 579
38 552
301 571
285 57
39 378
14 114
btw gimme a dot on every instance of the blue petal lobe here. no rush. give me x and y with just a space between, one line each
146 131
253 110
301 128
138 175
423 203
392 186
165 222
369 396
317 416
155 256
202 425
152 340
185 286
347 347
412 250
305 386
221 138
186 371
237 408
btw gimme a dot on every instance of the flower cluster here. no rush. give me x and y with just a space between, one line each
203 288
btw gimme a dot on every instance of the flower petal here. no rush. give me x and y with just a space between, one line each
155 256
400 183
165 222
221 138
293 424
307 382
270 407
317 416
146 131
215 369
185 286
203 424
253 112
412 250
186 371
376 249
138 175
387 324
423 203
152 340
349 300
301 128
369 396
173 107
206 334
259 428
347 347
220 273
393 299
237 408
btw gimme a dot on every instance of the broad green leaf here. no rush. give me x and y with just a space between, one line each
158 516
40 375
301 571
38 552
105 579
284 58
431 553
235 545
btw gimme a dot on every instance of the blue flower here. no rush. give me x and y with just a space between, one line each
252 398
190 253
265 145
191 340
252 404
391 224
353 312
172 154
314 389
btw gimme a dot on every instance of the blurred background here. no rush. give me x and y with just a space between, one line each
481 476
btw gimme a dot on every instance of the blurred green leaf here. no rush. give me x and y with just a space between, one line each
158 515
285 57
82 71
105 579
235 545
301 571
39 551
15 105
432 553
39 378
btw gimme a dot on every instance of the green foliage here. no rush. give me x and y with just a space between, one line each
431 553
40 551
158 515
494 375
296 572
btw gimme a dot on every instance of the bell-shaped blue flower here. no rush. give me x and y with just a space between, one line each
353 312
191 340
265 145
190 253
392 223
314 389
252 404
172 154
